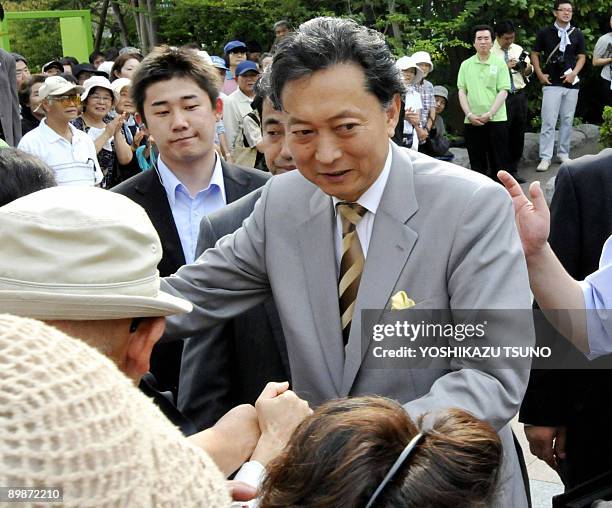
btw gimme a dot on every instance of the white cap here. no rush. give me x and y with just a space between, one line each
205 56
56 85
95 82
106 67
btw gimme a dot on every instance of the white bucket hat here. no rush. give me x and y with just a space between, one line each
407 62
423 57
71 420
96 82
81 253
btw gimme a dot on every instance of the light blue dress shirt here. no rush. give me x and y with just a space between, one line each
597 290
187 210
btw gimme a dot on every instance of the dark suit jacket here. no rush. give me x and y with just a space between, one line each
146 190
581 222
232 363
9 105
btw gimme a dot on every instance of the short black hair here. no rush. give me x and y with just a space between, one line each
21 174
504 27
26 88
69 60
559 2
95 55
480 28
19 58
165 63
324 42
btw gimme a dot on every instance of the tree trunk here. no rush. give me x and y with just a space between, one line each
122 26
152 25
397 32
369 14
101 25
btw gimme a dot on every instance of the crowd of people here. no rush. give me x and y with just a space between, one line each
191 241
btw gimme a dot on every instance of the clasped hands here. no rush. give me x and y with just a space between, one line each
257 432
479 120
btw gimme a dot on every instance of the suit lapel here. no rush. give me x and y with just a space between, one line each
155 201
316 237
390 247
236 182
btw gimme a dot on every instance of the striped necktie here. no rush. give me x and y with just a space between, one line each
351 263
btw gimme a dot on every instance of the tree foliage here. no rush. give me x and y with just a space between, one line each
438 26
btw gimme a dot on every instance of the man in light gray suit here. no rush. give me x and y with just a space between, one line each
360 221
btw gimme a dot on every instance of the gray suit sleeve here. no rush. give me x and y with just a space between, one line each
225 281
486 270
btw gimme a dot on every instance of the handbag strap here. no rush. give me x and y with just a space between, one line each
557 47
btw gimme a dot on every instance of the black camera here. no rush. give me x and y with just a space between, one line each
521 64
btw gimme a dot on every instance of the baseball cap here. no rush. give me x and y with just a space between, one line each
56 85
218 62
87 67
246 66
53 64
84 254
232 45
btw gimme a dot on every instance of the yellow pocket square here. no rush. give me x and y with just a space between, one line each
400 301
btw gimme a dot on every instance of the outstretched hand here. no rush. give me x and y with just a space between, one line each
532 217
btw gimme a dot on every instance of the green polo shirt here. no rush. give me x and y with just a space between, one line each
482 81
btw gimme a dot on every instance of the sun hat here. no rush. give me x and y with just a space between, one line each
218 62
423 57
56 85
81 253
246 66
118 85
71 420
440 91
96 82
232 45
406 62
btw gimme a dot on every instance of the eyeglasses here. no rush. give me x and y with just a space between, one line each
20 72
101 98
67 100
565 9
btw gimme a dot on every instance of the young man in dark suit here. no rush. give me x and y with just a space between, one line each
232 363
176 96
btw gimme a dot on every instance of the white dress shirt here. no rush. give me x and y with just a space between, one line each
73 163
187 210
370 200
597 291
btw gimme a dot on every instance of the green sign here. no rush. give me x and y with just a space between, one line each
75 28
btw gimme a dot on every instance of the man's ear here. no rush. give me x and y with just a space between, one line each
393 111
140 345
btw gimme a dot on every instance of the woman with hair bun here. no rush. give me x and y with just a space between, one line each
366 452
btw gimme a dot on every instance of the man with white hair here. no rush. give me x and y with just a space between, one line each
70 153
88 266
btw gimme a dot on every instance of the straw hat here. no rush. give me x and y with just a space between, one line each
71 420
81 253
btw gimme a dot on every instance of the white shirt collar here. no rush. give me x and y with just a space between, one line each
370 199
172 184
51 136
240 95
